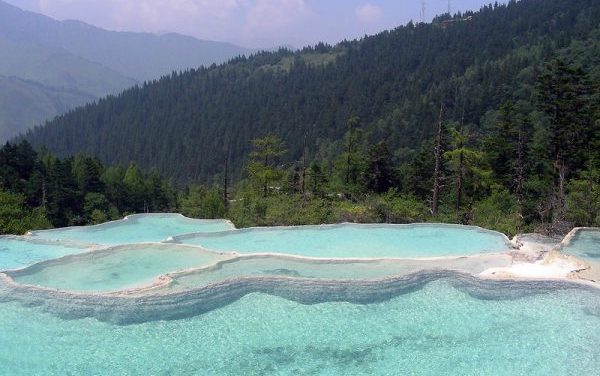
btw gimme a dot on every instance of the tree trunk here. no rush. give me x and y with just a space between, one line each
348 160
590 199
459 180
520 169
226 181
44 194
438 166
303 187
265 182
559 207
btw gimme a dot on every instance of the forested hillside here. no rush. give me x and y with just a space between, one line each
394 82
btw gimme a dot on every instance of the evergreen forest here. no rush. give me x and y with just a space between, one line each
489 118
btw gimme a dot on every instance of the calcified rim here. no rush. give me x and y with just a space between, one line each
179 239
130 218
536 238
168 278
163 280
33 240
124 310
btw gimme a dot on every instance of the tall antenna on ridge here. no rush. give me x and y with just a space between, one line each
449 7
423 9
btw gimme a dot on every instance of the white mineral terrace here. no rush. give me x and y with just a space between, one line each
552 266
535 262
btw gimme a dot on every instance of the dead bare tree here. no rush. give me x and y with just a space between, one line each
226 179
438 165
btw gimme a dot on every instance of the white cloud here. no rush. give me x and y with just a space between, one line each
188 15
249 21
205 18
368 13
269 16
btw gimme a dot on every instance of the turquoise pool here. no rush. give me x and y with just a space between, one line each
439 329
585 244
18 252
115 269
356 241
139 228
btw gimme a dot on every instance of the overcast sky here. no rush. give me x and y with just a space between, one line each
251 23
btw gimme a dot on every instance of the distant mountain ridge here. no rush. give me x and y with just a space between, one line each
58 68
77 57
29 102
141 56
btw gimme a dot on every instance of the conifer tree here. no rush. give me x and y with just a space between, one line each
263 167
379 175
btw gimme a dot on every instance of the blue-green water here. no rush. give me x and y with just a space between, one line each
585 244
433 331
16 252
356 241
141 228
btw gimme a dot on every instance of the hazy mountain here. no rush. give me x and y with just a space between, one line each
73 57
25 103
59 68
141 56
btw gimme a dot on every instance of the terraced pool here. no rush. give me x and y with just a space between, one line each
19 252
313 300
115 269
142 228
356 241
585 244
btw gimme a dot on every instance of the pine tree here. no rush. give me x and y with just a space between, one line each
263 167
467 166
379 175
133 183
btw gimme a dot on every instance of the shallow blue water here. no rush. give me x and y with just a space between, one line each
135 229
16 252
436 330
359 241
585 244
